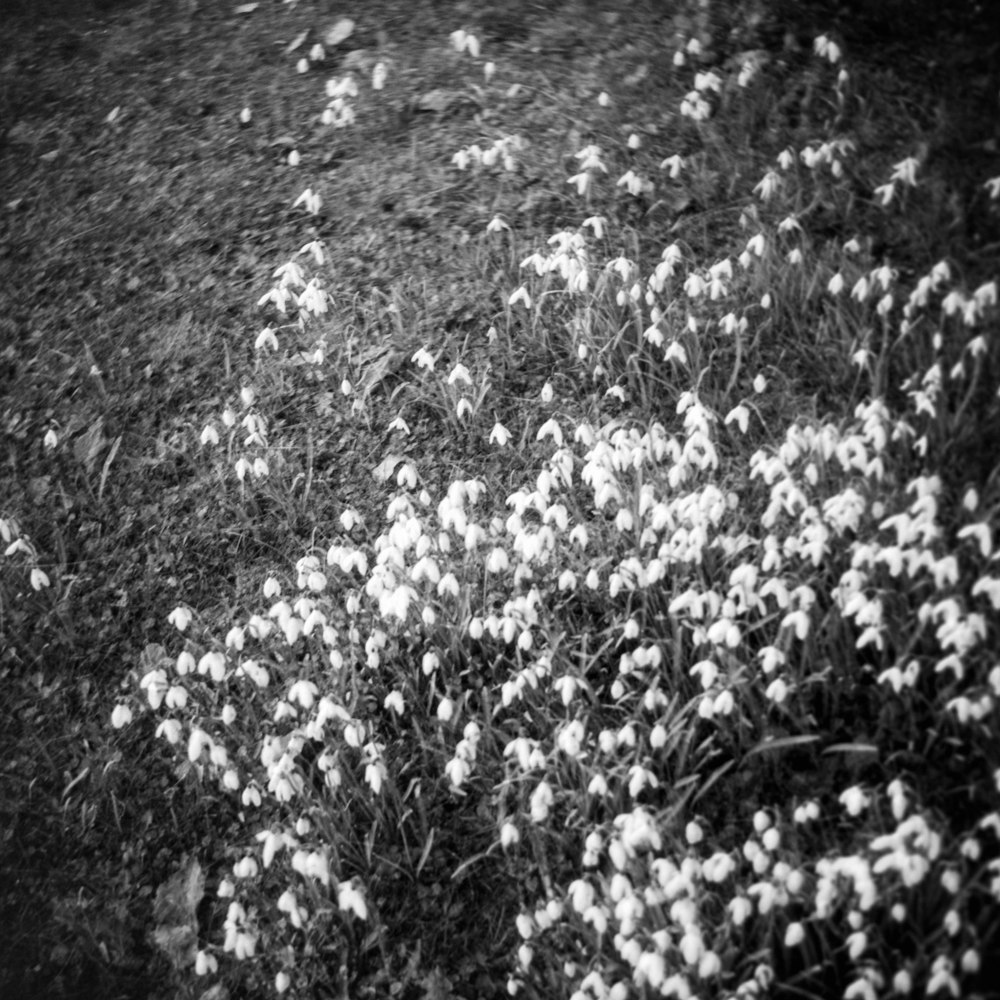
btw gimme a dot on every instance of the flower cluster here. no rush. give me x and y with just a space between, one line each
623 663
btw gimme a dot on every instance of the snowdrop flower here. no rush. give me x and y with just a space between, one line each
674 164
180 618
695 106
205 964
767 187
583 181
520 295
499 435
827 49
350 899
794 934
854 800
739 415
906 171
708 81
266 338
541 802
884 193
633 183
121 716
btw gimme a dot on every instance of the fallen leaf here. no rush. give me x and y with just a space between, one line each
437 986
341 31
438 100
175 912
88 445
387 467
152 657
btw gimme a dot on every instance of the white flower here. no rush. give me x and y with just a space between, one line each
204 963
906 171
674 164
583 181
884 193
180 618
825 48
509 835
740 415
541 802
708 81
520 295
121 716
349 898
794 934
550 429
854 800
500 435
768 185
312 201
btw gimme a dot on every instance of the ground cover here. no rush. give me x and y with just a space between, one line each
499 501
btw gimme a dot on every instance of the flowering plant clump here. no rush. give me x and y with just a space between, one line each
683 657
